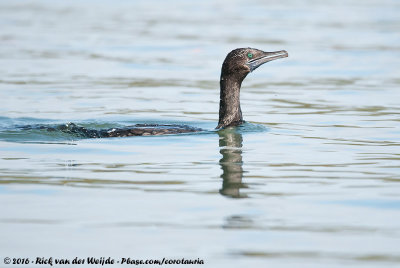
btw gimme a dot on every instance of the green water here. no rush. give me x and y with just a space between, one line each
311 180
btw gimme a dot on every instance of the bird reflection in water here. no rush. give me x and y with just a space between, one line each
230 143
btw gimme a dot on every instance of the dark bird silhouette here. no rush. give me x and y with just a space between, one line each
237 65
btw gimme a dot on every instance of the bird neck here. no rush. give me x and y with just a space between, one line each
230 113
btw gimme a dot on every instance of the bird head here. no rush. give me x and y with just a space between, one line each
242 61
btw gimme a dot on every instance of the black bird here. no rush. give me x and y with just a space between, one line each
237 65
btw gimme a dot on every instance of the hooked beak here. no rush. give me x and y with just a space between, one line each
267 56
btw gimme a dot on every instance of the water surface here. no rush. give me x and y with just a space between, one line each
311 180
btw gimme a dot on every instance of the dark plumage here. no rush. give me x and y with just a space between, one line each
135 130
237 64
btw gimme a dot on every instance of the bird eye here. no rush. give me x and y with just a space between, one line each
250 55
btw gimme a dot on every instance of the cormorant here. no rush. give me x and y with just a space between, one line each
237 65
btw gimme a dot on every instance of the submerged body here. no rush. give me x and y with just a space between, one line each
236 66
134 130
